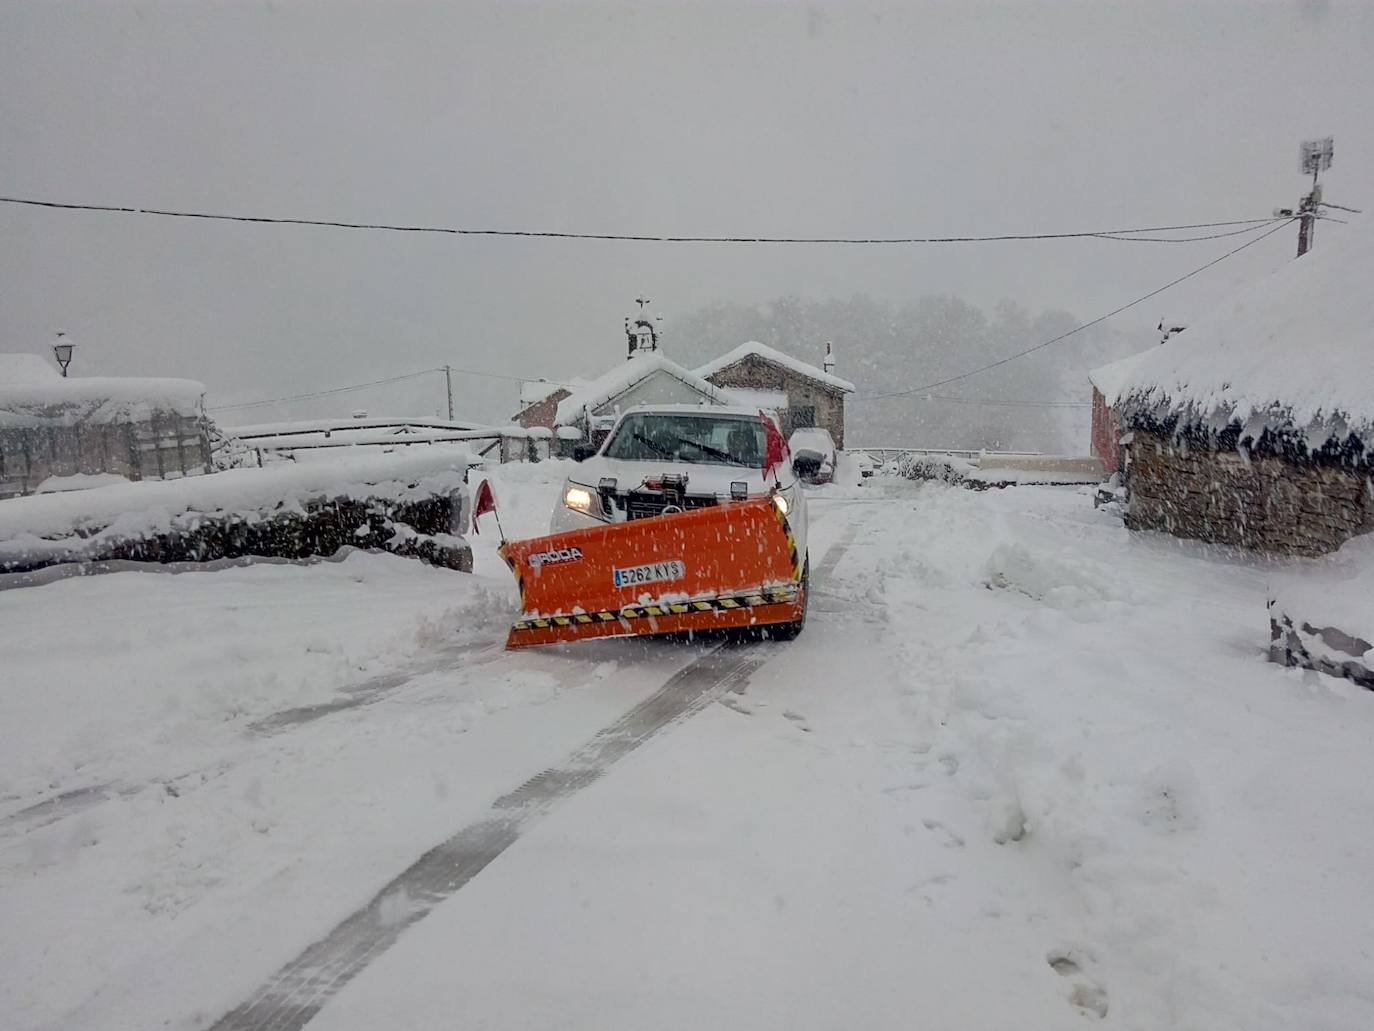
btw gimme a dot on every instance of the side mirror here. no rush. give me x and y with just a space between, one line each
582 452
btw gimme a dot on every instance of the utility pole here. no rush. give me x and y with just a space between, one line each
448 383
1314 157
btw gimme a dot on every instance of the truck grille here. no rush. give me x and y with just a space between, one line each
644 506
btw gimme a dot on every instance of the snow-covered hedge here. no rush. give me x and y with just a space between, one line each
1321 613
411 504
96 400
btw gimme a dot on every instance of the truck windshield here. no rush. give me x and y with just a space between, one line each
690 438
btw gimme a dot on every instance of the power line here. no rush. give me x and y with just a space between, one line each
1190 239
1106 234
1077 329
324 393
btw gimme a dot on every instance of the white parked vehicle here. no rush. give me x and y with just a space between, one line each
660 459
813 454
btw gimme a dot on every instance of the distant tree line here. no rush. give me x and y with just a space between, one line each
884 347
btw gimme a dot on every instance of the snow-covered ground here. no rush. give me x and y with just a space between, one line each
1022 770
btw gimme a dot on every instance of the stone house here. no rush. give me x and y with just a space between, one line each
801 394
1256 426
58 433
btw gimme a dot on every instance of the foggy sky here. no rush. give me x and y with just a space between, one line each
742 118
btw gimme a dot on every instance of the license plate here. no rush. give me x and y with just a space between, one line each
654 572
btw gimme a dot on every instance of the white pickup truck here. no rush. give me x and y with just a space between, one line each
660 459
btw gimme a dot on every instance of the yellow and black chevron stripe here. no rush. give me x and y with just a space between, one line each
519 580
791 545
768 596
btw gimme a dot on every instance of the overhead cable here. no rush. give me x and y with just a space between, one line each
1108 234
1077 329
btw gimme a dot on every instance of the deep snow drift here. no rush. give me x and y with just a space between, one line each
1022 769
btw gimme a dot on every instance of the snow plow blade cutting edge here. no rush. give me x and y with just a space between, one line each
730 565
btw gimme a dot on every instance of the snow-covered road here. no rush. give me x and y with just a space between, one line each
1021 769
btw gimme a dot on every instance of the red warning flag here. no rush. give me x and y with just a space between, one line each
775 454
486 502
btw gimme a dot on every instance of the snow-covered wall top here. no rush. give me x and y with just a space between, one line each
623 377
1293 351
772 354
96 400
134 509
24 369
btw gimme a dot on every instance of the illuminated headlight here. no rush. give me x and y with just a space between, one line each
579 499
784 506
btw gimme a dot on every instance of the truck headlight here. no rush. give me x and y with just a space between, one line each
784 506
580 499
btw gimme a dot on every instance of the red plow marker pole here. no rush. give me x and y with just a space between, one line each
484 503
727 566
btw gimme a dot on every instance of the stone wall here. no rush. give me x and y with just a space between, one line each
1267 503
756 373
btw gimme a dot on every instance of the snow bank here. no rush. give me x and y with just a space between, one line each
771 354
621 378
96 400
1294 351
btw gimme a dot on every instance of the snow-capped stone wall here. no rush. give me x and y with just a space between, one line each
1272 503
415 506
1321 614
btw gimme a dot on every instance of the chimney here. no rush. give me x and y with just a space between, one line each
829 363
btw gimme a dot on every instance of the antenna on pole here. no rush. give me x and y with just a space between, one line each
1314 157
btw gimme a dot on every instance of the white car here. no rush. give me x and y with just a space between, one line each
660 459
813 454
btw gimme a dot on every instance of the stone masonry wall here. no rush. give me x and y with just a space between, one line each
1265 503
755 373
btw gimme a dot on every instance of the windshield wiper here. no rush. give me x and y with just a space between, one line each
713 452
652 443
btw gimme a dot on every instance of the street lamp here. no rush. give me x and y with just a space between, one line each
62 351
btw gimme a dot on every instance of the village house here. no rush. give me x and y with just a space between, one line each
1107 430
801 394
1256 426
539 400
647 378
58 433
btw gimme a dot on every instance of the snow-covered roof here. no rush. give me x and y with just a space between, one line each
24 370
624 376
1108 379
678 408
96 400
776 400
1294 351
772 354
534 391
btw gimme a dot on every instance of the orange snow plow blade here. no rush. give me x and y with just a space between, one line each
730 565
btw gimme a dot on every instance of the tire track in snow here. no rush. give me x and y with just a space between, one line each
292 996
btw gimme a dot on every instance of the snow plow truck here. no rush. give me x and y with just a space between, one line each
688 518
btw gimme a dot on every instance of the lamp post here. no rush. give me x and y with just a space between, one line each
62 351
